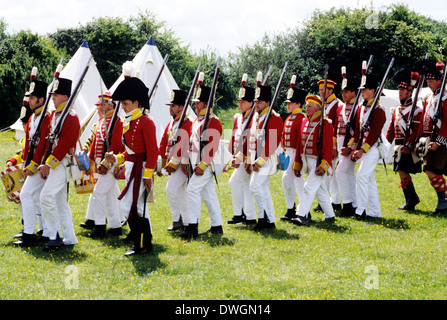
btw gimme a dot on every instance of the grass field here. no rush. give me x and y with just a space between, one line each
400 256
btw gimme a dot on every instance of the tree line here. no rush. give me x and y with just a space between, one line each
337 37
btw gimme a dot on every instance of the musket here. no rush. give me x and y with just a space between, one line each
413 106
320 129
151 93
351 118
35 139
186 105
246 125
261 139
56 132
439 107
208 109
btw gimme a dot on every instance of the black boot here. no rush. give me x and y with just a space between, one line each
290 214
347 210
87 224
264 223
142 239
26 240
99 231
176 225
191 231
54 244
238 219
441 207
411 197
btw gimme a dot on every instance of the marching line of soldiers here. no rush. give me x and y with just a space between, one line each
321 165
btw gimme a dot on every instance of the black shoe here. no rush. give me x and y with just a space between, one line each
99 231
361 217
336 206
264 223
290 214
138 251
54 244
27 240
237 219
348 210
176 225
250 222
88 224
317 208
329 220
299 221
191 231
18 235
115 231
214 230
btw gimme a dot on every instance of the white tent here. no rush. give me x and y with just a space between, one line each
146 65
84 104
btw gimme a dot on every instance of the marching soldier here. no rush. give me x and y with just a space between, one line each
433 136
139 159
306 161
201 184
404 135
290 136
243 202
103 205
55 170
30 193
366 151
171 152
262 157
345 171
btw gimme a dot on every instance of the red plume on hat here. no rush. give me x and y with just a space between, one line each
440 66
414 78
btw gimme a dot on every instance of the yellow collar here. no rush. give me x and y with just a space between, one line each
316 115
134 114
61 107
109 113
38 111
370 102
203 112
330 98
264 111
247 113
297 110
177 117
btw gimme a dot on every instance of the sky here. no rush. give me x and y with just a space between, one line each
220 25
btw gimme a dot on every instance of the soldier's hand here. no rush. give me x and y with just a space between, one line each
248 168
9 164
433 146
357 154
334 153
110 157
256 167
147 184
319 171
44 171
169 169
102 170
184 168
345 151
27 172
297 173
235 163
198 171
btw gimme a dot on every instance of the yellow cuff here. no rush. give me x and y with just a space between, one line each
172 165
334 141
261 161
351 142
52 162
148 173
120 158
203 165
240 156
325 165
174 161
366 147
297 166
32 167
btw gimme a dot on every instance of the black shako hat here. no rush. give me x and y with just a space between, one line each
62 86
404 78
431 69
202 94
370 81
263 93
350 83
37 88
296 95
246 93
177 97
132 89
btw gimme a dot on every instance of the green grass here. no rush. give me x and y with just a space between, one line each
408 251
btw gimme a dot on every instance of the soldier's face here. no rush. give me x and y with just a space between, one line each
292 106
35 102
311 108
199 105
58 99
347 95
434 84
129 106
261 105
175 109
404 94
328 92
367 94
244 105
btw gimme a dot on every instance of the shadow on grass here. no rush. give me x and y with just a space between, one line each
63 254
390 223
149 262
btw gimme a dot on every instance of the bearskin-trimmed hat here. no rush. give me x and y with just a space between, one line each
431 69
406 79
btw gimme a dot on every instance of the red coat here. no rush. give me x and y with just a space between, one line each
68 138
370 137
308 142
343 113
273 135
399 119
166 142
426 127
292 129
330 110
141 138
212 141
116 144
39 150
239 122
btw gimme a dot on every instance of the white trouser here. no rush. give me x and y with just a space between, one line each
126 200
366 187
315 186
292 183
54 205
332 184
240 190
104 201
176 193
30 200
346 180
202 188
259 187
